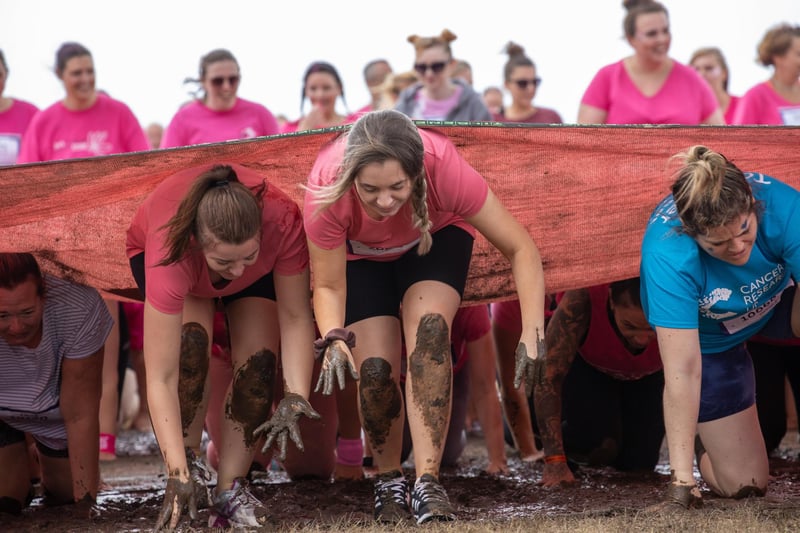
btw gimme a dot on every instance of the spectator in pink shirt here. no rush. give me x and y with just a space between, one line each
15 115
322 87
711 65
218 114
648 87
777 100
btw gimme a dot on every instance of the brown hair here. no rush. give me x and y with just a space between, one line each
66 52
516 58
636 8
217 207
376 137
17 268
423 43
776 42
709 191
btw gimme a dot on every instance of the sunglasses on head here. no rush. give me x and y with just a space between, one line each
219 81
523 84
437 67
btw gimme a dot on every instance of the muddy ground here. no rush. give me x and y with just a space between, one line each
136 483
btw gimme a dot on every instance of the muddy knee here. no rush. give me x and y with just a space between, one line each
381 402
252 393
193 371
431 369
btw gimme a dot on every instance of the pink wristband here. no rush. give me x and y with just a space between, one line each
108 443
349 452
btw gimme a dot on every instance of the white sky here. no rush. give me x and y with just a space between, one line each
144 49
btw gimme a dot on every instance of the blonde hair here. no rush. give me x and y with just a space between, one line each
776 42
709 191
377 137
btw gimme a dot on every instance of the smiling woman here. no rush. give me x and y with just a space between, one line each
208 236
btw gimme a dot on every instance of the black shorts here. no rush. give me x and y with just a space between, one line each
376 288
10 435
264 287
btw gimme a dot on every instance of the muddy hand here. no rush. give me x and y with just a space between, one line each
557 475
177 495
334 365
284 423
678 498
85 508
531 371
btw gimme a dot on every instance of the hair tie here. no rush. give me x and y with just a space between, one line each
220 183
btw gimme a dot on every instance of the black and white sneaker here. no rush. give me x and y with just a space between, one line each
429 501
391 497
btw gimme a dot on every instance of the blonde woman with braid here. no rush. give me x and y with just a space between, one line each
390 215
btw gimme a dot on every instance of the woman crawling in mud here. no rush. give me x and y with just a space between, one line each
718 258
390 213
208 236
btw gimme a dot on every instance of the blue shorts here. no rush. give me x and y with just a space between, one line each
729 384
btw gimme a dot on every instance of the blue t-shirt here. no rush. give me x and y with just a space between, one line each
684 287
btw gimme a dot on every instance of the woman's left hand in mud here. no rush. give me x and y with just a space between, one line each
283 423
335 364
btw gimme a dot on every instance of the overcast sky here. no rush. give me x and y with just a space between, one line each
143 50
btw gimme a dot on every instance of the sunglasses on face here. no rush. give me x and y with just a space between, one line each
219 81
523 84
437 67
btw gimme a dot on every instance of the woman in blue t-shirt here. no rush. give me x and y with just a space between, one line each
718 258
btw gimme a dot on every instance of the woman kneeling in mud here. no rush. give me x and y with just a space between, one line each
718 258
390 213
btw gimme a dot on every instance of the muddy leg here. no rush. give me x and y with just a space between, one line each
193 374
429 387
247 406
381 412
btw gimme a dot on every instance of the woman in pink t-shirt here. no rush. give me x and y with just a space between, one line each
390 213
220 235
777 100
521 81
218 114
711 65
322 87
648 87
15 115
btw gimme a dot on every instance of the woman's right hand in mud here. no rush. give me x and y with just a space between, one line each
678 497
283 424
335 363
177 495
557 475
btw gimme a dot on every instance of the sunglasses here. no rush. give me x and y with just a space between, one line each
219 81
437 67
523 84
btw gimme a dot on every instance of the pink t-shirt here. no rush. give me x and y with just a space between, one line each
762 105
685 97
283 243
455 191
470 324
196 123
730 113
292 127
108 127
13 123
429 109
542 115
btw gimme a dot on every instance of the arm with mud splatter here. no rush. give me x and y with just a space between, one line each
162 349
81 383
509 236
297 358
329 297
565 333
